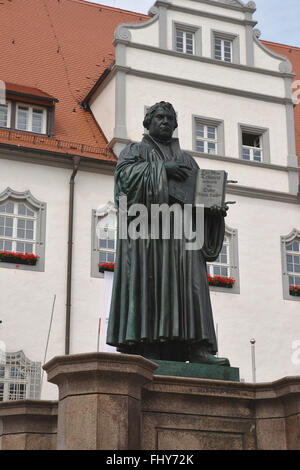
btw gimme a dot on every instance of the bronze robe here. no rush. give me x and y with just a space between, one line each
160 291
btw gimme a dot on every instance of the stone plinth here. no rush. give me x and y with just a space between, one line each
99 399
197 414
28 425
118 402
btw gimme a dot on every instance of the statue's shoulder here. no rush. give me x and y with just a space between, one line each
133 150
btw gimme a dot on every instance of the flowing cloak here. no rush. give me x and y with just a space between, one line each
160 290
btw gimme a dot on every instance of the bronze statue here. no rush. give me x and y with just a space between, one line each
161 306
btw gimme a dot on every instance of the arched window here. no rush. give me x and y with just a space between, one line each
22 228
20 378
290 254
227 264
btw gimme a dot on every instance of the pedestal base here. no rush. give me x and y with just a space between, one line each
198 371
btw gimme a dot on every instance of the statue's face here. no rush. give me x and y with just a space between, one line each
162 124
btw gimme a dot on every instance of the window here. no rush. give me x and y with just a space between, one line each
104 237
20 378
107 241
5 112
293 262
208 135
184 41
290 251
223 50
17 227
22 227
252 147
254 143
225 47
187 39
31 119
221 267
206 139
227 264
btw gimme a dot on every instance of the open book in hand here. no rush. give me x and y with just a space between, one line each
205 187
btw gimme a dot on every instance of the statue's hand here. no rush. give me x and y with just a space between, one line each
177 170
222 210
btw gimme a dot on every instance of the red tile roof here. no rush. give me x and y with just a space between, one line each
26 90
60 47
293 54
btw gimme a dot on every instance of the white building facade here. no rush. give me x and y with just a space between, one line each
234 104
233 99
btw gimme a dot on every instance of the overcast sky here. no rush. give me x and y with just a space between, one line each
278 20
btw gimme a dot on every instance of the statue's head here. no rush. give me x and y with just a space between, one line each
161 121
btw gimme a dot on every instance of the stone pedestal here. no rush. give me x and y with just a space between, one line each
118 402
99 400
28 425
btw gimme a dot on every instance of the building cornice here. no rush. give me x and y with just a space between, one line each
256 193
204 86
240 161
55 159
203 59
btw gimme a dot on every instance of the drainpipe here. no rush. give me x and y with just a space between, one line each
76 162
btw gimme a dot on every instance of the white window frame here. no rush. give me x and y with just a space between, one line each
264 148
31 108
218 263
207 140
195 30
98 216
286 241
8 124
234 39
185 48
232 264
223 58
31 379
220 136
252 150
39 208
15 216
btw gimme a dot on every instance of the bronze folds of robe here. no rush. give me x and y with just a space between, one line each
160 300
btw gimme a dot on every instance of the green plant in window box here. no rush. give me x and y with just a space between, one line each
219 281
295 291
106 267
18 258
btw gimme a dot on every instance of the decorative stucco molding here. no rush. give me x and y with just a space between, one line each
26 195
285 65
123 30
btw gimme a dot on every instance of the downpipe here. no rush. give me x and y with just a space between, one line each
76 162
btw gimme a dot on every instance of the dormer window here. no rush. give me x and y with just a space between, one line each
28 110
5 115
31 119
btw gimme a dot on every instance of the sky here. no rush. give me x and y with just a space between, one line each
278 20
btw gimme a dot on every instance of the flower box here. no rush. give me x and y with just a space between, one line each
295 291
28 259
219 281
106 267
